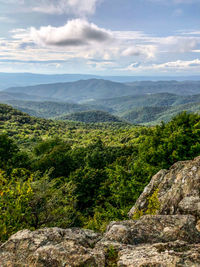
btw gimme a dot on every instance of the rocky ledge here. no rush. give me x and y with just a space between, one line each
171 237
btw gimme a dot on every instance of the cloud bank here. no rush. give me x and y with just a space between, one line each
90 46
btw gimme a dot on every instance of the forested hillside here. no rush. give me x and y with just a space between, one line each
144 102
49 109
139 109
125 103
66 174
93 89
92 116
82 90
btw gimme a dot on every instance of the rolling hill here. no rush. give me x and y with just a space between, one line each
127 103
139 109
154 115
144 114
49 109
92 116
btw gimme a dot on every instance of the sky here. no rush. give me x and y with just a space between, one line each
105 37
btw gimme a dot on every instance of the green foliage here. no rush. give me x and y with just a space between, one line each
29 202
53 204
15 212
137 214
111 256
10 154
153 204
152 207
83 175
99 220
53 154
7 150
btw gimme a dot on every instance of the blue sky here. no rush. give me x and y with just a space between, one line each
113 37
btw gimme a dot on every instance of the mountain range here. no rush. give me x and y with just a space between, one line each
79 91
143 102
92 89
25 79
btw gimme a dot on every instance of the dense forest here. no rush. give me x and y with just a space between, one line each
64 174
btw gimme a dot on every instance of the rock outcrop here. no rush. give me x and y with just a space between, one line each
178 189
171 237
52 247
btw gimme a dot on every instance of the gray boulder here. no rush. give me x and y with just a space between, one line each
154 229
161 255
178 190
52 247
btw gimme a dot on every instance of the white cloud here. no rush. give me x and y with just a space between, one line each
129 35
79 7
191 32
181 44
176 43
75 7
179 64
142 50
76 32
104 65
175 66
82 42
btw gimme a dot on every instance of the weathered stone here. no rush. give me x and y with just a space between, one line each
120 232
178 186
198 225
161 255
190 205
52 247
154 229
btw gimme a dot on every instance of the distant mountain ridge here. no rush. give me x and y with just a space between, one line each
26 79
173 87
8 96
79 91
94 89
142 102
